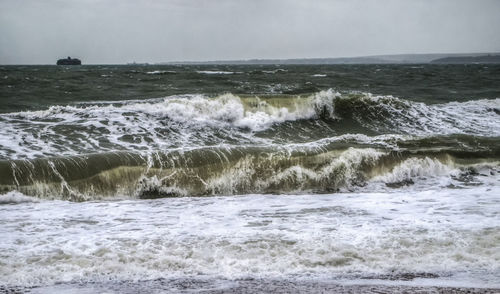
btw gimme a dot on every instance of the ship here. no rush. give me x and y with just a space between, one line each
69 61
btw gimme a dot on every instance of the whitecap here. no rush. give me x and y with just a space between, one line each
14 197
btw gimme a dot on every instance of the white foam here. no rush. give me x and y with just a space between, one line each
214 72
156 124
337 172
159 72
472 117
14 197
414 167
274 71
449 232
194 120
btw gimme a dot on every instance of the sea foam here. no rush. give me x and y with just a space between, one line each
197 120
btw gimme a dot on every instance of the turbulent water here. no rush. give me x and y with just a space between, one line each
296 172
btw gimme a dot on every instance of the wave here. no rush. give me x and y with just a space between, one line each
213 72
386 113
320 167
160 72
15 197
152 125
278 70
198 120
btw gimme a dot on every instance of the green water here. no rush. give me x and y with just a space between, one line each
36 87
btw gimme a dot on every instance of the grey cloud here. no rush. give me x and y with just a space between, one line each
119 31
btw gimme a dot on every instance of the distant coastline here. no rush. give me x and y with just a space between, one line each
469 59
432 58
453 58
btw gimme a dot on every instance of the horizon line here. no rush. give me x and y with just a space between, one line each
215 61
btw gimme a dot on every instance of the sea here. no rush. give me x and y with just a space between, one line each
205 178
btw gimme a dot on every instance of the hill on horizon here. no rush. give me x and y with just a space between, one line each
375 59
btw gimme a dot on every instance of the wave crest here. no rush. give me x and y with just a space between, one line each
197 120
324 167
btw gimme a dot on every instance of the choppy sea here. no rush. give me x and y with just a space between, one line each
385 174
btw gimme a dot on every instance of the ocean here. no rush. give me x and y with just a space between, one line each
249 178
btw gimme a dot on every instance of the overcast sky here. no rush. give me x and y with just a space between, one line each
120 31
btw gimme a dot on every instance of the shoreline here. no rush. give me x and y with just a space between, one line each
221 286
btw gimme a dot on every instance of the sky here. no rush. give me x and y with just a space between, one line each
121 31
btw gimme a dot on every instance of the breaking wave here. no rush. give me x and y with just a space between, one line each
198 120
322 167
213 72
15 197
226 145
160 72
